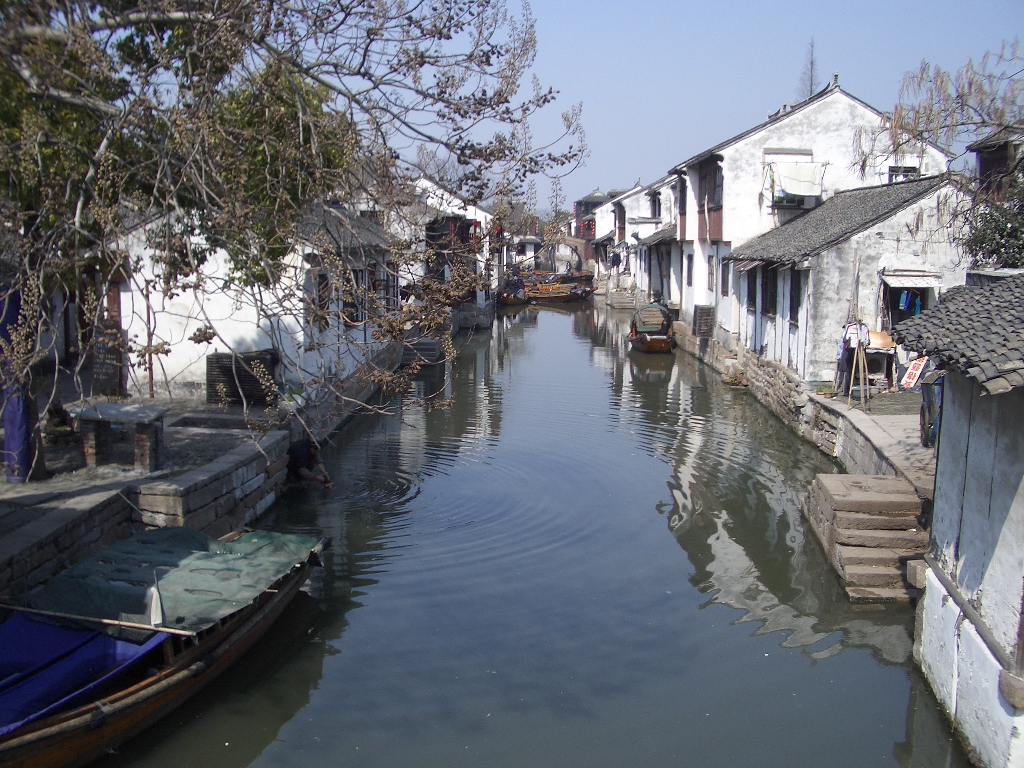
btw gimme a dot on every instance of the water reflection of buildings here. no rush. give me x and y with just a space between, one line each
734 487
734 483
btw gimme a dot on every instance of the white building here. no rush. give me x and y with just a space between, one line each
872 254
755 181
307 321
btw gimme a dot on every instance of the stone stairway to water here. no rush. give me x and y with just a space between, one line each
870 526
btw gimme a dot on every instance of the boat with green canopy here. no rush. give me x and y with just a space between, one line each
651 329
109 646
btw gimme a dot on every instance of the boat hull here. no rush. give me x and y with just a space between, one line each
78 737
652 344
560 297
512 301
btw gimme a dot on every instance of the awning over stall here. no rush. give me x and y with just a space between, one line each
911 278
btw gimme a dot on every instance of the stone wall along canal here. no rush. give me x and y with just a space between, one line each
588 558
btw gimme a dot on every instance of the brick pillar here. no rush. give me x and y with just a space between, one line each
148 444
95 441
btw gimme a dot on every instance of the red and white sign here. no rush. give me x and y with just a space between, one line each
913 373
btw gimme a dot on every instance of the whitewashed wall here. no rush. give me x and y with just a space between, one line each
977 527
828 129
245 320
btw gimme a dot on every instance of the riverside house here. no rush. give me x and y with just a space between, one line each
762 178
873 254
970 637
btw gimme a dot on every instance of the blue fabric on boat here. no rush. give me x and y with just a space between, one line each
46 667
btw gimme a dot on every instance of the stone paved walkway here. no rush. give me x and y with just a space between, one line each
896 435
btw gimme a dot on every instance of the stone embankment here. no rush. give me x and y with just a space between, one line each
225 469
219 497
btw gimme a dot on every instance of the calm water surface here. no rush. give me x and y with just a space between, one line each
588 558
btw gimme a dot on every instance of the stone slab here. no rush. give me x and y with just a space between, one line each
870 493
873 576
875 521
848 555
882 594
917 540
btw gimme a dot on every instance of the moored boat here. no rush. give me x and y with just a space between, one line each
110 646
559 294
651 329
509 299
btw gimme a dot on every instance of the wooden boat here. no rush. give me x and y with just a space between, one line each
173 664
651 330
559 294
508 299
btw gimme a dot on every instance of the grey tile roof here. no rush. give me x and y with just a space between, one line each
343 228
976 330
663 234
594 197
772 118
837 219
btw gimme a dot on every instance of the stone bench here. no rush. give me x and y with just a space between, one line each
147 423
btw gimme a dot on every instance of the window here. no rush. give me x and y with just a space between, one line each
752 289
318 301
711 274
710 184
391 291
903 172
689 270
795 294
724 281
352 297
655 198
769 291
792 179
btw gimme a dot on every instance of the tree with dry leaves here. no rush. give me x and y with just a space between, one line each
977 109
200 134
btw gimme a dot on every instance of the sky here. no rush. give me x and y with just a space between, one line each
660 81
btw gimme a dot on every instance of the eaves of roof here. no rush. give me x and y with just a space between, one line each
978 331
663 234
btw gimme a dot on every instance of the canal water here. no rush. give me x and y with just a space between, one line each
561 553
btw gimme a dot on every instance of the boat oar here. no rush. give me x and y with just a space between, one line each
93 620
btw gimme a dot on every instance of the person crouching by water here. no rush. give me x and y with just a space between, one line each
305 465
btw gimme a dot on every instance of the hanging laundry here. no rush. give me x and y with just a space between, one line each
905 300
917 306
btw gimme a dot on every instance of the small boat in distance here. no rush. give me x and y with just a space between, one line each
651 329
510 299
108 647
559 293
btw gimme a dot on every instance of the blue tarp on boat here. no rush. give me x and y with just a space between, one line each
46 667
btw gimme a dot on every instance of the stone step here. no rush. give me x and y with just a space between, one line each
882 594
874 576
848 555
869 493
913 540
423 350
877 522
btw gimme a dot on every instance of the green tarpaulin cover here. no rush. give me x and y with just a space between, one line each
176 576
652 318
